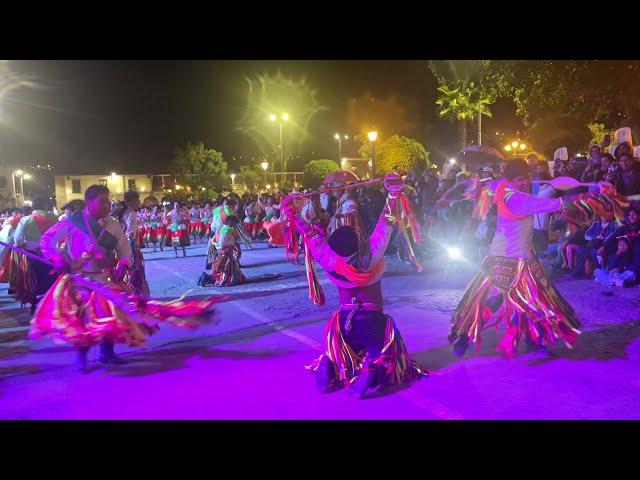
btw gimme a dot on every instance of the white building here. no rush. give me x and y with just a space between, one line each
70 187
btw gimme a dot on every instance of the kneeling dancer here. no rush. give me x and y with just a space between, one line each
364 348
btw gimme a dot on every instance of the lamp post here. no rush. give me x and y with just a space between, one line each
233 182
265 166
373 136
339 138
284 117
22 176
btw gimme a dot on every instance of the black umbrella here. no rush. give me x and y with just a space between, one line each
477 156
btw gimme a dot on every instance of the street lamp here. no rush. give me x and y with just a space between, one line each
265 166
373 136
339 138
516 146
284 117
233 181
22 176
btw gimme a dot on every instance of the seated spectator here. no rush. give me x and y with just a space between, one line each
570 250
619 268
627 178
570 168
623 148
606 160
597 236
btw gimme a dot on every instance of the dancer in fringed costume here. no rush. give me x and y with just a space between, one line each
136 276
157 229
144 227
33 278
364 349
195 222
6 235
179 230
219 215
250 223
272 225
513 289
207 217
89 304
225 268
291 235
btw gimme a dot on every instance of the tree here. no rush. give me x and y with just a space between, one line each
251 177
465 93
555 131
598 132
316 170
397 154
595 91
202 167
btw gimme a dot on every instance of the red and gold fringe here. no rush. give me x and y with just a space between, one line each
532 305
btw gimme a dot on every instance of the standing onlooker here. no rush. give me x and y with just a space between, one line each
592 173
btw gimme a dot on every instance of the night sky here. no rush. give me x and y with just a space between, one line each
129 115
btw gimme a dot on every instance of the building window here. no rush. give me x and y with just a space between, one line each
75 186
103 182
132 185
3 182
157 183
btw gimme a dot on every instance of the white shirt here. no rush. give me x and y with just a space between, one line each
77 242
514 238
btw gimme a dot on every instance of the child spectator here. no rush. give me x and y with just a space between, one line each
619 269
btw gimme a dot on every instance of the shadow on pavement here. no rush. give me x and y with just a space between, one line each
174 355
608 343
167 359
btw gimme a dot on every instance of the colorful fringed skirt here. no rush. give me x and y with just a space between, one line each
276 234
353 337
83 314
226 267
518 293
29 278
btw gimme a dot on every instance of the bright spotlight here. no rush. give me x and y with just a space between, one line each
272 117
454 253
452 161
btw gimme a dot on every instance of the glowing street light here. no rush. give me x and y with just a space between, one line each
452 161
22 176
515 146
284 117
265 166
373 136
339 138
